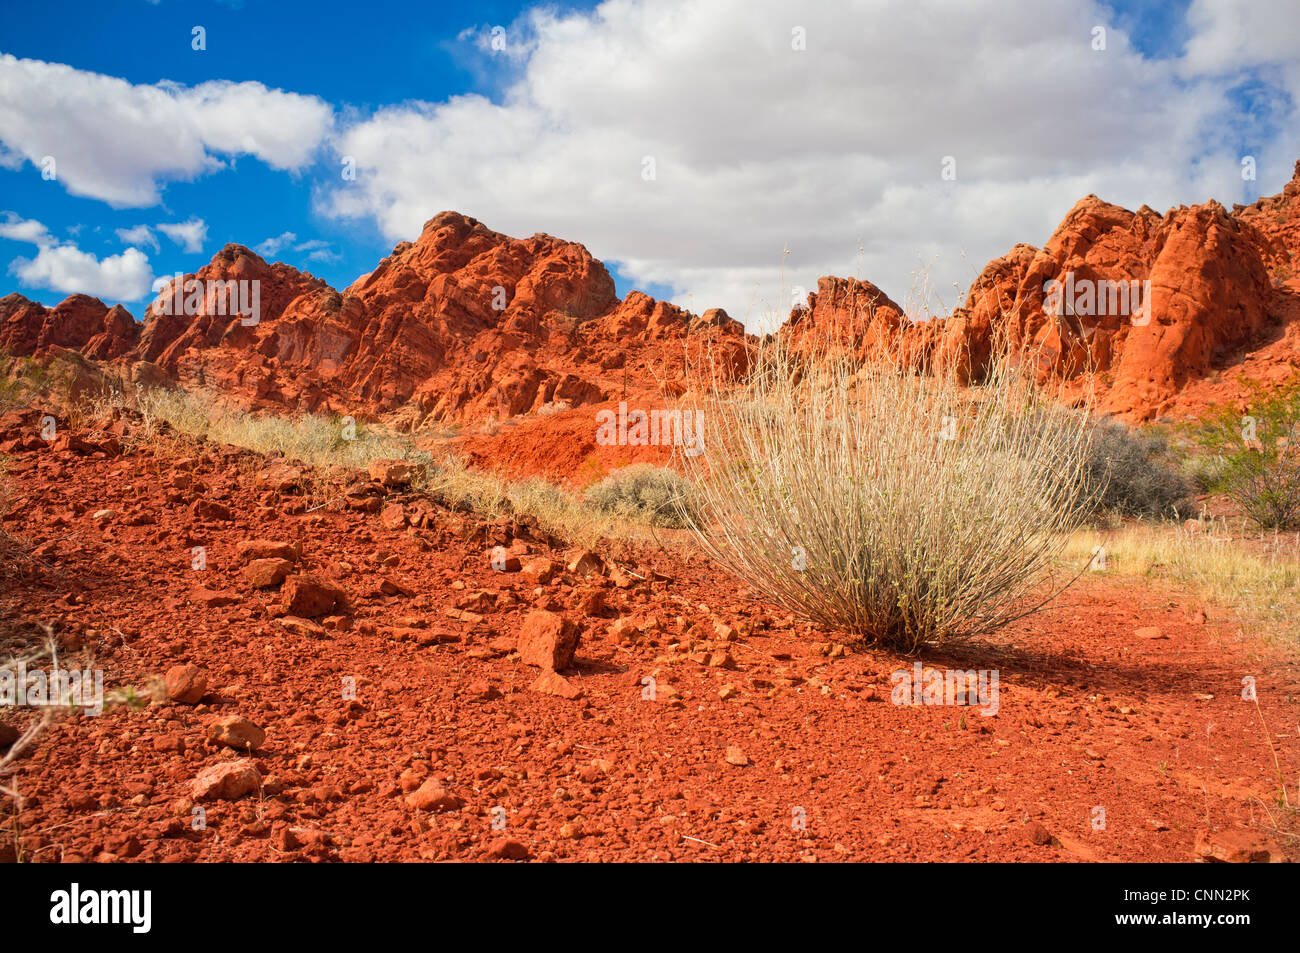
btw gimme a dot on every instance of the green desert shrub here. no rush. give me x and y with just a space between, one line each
1266 485
656 495
1257 446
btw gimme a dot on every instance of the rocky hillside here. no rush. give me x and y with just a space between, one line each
1165 309
628 704
467 325
464 324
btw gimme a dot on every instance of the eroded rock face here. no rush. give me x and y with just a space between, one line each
468 325
1149 302
464 323
855 314
1136 306
202 339
78 323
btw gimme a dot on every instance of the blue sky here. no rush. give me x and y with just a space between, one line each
353 55
775 164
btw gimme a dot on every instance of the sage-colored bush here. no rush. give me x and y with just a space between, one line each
656 495
885 500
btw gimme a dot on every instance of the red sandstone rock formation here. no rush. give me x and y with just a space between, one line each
466 324
1140 309
79 323
463 324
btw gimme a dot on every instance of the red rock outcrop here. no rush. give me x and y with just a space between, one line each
1146 303
468 325
857 315
1141 310
464 324
78 323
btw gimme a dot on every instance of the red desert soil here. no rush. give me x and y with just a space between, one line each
448 753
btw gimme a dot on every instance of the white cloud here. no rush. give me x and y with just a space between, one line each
62 266
190 235
1228 35
317 250
271 246
119 142
1252 43
138 235
27 230
66 268
759 147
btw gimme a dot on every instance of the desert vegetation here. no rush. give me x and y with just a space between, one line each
1254 578
1251 457
889 504
321 440
625 504
657 495
1135 474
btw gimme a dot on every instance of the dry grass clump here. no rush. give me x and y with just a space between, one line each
336 441
644 492
323 441
872 498
575 518
1256 577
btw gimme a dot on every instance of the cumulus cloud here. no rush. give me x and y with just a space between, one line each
138 235
190 235
1255 46
62 266
66 268
271 246
698 146
315 249
119 142
27 230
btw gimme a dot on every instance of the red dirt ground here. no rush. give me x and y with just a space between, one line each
1090 715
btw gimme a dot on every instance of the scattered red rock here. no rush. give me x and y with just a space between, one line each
352 704
185 683
213 599
736 757
253 550
553 683
539 571
304 628
1038 834
1237 846
394 473
267 573
431 796
584 563
310 596
235 731
505 849
547 640
228 781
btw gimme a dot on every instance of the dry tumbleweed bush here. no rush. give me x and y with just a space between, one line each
871 498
